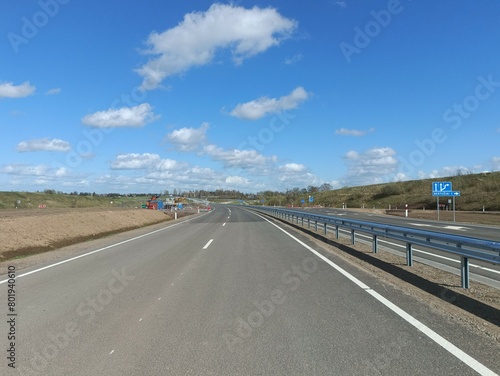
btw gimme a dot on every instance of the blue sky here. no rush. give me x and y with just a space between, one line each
128 96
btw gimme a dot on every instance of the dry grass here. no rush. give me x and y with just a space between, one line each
477 190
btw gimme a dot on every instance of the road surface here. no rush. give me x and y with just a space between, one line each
225 293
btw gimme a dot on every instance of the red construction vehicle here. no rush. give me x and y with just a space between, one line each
152 203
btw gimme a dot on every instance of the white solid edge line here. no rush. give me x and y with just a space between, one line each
208 244
98 250
444 343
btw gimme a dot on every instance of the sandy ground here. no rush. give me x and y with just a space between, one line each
25 232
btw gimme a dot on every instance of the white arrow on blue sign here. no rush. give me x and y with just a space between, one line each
441 186
446 193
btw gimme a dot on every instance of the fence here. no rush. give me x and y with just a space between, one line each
465 247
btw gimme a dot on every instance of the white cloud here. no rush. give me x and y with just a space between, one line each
246 159
352 132
61 171
8 90
24 169
202 176
168 165
237 181
137 116
195 40
34 170
43 144
296 175
293 167
495 162
77 184
370 167
263 106
117 183
53 91
186 178
401 176
134 161
146 161
188 139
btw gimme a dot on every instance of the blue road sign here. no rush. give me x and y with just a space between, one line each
441 186
446 193
302 201
311 199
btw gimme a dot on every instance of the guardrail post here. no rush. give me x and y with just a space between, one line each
465 272
302 221
475 248
409 254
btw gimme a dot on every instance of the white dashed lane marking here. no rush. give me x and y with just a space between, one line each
208 244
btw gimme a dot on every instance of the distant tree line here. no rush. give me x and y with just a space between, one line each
288 197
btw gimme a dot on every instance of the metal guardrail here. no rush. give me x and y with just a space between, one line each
463 246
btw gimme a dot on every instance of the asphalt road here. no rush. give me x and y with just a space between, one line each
226 293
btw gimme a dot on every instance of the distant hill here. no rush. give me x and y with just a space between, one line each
476 191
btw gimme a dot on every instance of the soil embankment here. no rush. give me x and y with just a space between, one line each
25 232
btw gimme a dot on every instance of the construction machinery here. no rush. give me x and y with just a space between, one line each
153 203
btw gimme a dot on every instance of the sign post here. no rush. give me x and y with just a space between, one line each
444 189
439 188
454 209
